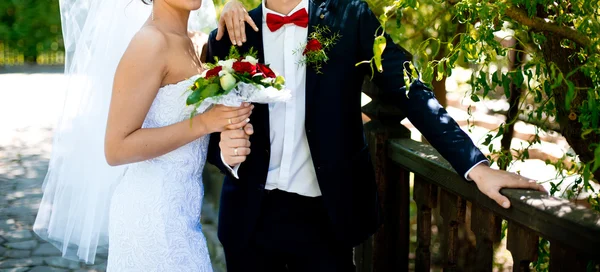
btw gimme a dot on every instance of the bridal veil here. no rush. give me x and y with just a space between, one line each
73 214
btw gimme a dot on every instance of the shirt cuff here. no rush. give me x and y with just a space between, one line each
469 171
234 170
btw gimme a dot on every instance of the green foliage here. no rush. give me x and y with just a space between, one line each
446 34
376 62
558 70
30 31
543 261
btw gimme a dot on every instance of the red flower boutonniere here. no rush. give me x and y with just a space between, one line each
312 46
320 41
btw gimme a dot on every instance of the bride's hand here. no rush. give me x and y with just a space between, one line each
233 17
220 118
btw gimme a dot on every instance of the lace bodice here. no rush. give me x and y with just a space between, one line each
169 108
169 105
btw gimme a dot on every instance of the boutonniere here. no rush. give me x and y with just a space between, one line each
314 51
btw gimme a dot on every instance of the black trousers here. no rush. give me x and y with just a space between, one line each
293 234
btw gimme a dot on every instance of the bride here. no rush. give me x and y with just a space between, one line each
128 165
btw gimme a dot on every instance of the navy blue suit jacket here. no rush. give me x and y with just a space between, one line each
334 127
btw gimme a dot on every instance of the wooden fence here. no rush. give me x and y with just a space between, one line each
573 231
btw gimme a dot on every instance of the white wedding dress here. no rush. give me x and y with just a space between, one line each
154 220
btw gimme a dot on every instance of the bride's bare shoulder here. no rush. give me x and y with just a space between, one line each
148 41
148 46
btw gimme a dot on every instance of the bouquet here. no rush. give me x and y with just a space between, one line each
236 80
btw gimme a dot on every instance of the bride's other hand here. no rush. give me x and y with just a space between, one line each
233 18
220 118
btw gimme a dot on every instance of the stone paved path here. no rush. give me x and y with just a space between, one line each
29 104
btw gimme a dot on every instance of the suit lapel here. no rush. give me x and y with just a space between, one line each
315 10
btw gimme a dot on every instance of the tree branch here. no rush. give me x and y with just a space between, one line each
541 25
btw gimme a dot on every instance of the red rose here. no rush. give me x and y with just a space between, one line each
312 45
244 67
214 72
265 70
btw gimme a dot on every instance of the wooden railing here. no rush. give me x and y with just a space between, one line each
573 231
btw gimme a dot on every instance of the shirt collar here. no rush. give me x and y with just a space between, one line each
265 10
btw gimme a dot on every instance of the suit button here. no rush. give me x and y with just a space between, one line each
308 131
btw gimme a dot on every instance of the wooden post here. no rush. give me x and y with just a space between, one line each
487 228
452 210
389 246
523 246
425 195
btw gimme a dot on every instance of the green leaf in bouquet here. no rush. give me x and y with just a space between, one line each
194 97
234 53
210 91
202 93
199 83
252 52
259 80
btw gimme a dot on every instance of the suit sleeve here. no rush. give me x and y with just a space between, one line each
419 105
218 49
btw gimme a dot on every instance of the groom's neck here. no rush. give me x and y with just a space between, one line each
282 6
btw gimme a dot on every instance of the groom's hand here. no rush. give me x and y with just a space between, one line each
233 18
235 145
490 181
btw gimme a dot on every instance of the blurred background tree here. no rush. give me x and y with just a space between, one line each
30 32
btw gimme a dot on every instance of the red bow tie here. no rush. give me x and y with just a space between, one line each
299 18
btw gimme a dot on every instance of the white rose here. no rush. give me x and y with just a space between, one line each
227 81
227 65
251 60
268 80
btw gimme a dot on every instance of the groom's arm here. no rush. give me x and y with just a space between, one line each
419 105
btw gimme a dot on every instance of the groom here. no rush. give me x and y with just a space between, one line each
306 193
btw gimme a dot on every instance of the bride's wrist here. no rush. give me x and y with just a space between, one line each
199 127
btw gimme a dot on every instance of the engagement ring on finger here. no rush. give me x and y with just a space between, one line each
229 120
235 151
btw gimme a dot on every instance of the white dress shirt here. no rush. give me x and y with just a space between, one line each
291 167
